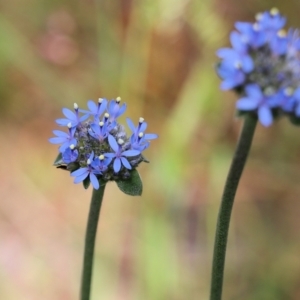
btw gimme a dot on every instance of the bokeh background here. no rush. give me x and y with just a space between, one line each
159 56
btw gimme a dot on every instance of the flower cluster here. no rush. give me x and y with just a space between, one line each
96 147
263 67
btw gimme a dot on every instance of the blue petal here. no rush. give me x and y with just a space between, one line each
131 153
265 116
83 118
121 110
79 172
237 42
92 106
81 177
110 155
246 104
247 64
62 122
107 160
113 143
111 106
69 114
126 163
91 157
117 165
57 140
102 107
94 181
226 53
254 91
60 133
130 125
150 136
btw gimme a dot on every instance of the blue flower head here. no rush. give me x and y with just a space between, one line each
96 147
263 67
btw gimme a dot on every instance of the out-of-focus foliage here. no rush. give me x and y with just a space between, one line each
159 57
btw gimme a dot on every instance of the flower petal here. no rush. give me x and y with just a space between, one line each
130 125
113 143
92 106
57 140
94 181
69 114
126 163
131 153
246 104
265 116
79 172
60 133
117 165
150 136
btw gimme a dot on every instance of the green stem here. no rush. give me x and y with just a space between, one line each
89 246
229 192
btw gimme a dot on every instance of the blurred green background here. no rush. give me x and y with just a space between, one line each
159 56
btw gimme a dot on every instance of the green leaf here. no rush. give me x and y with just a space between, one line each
59 163
132 186
86 182
73 167
294 120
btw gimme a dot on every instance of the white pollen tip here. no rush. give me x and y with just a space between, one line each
258 16
141 120
106 115
281 33
288 91
118 99
255 26
88 162
101 157
101 123
274 11
72 146
100 100
120 141
238 65
141 134
69 125
75 106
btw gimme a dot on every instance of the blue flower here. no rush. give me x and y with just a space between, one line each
101 163
96 110
84 172
120 156
70 154
256 100
98 145
271 21
115 110
71 117
251 34
66 139
99 131
263 67
136 130
139 140
232 75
